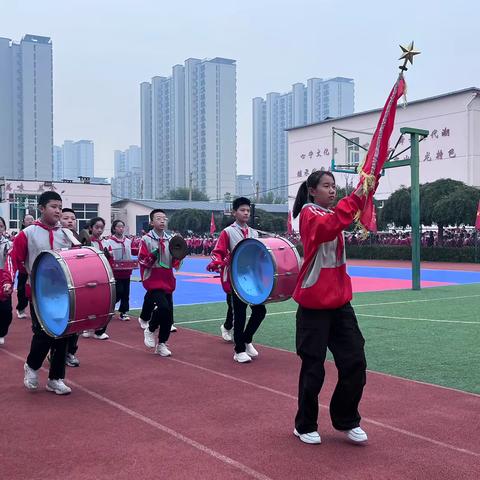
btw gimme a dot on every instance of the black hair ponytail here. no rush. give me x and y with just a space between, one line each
301 199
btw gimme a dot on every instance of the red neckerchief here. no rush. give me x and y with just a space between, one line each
50 230
122 242
160 240
99 241
243 230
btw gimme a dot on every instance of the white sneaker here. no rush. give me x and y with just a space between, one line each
173 328
227 335
356 435
162 350
149 338
30 379
143 323
21 314
250 350
242 357
313 438
124 317
71 360
102 336
88 334
58 387
2 340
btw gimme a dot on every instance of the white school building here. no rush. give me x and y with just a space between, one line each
20 197
452 149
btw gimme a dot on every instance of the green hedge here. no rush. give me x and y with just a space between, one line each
432 254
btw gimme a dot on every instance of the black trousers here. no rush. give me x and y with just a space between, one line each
5 316
338 331
228 324
72 343
122 292
41 345
21 291
242 334
162 316
147 307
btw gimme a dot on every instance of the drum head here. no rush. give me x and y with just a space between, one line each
51 294
252 271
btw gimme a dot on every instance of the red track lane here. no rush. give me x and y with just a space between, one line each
200 415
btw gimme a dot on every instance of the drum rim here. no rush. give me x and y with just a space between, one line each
70 287
269 250
275 276
111 279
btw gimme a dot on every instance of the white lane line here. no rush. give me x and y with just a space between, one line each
288 312
416 319
293 397
192 443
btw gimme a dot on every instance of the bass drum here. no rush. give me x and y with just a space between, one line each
72 290
264 270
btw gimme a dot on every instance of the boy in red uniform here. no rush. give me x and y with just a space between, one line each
156 265
325 318
228 239
44 234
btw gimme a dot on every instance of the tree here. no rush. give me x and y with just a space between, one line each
270 198
197 221
397 208
269 222
184 194
443 202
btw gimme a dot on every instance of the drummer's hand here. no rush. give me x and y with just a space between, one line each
7 289
212 267
359 191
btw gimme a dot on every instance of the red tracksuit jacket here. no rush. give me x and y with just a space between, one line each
323 282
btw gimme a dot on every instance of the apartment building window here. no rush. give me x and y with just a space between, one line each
84 213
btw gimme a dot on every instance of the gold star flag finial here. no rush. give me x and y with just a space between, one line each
407 55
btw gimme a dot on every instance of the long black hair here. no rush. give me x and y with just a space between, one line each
303 196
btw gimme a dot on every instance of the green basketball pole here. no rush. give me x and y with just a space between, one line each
416 135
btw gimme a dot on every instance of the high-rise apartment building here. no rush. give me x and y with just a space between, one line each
26 108
244 186
73 160
128 178
188 129
319 100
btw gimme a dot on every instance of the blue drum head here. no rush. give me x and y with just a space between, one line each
52 301
252 271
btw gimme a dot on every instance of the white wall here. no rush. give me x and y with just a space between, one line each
454 125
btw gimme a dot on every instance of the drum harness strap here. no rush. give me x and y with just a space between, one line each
71 237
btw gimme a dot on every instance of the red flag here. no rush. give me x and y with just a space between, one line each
212 225
289 223
377 154
477 221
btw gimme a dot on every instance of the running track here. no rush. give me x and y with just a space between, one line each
199 415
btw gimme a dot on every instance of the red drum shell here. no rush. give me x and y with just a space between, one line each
87 281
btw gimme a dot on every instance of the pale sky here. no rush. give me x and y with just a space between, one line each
104 49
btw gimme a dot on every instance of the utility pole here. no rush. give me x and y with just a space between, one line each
190 182
257 190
